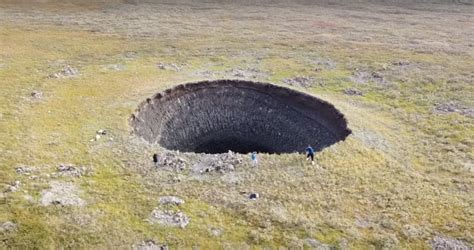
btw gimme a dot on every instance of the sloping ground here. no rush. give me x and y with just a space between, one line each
75 176
241 116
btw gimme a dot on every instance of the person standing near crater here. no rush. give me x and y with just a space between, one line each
156 160
310 154
254 159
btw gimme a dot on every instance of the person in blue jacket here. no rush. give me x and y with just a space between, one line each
254 159
310 154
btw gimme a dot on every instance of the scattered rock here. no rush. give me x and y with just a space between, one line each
149 245
36 94
254 196
13 187
215 232
316 244
299 81
25 170
446 243
72 171
401 63
168 218
130 54
221 163
353 91
101 132
8 226
363 77
171 160
171 200
453 107
171 66
61 193
66 72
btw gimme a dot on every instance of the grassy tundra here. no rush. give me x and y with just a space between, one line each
402 75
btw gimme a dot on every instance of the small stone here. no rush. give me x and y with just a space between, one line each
15 186
66 72
8 226
216 232
37 94
171 200
168 218
24 170
101 132
401 63
353 91
149 245
254 196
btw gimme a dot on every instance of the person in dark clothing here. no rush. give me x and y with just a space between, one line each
310 154
156 160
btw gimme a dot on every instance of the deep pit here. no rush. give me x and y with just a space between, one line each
241 116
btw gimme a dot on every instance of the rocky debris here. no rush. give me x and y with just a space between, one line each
316 244
221 163
168 218
299 81
363 77
25 170
36 94
172 160
171 200
101 132
61 193
66 72
401 63
72 171
453 107
130 54
149 245
215 232
353 91
7 226
446 243
254 196
13 187
171 66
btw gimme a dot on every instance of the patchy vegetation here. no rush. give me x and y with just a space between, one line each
403 77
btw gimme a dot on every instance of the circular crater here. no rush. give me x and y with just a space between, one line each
241 116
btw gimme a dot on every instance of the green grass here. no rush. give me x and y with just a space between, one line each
403 164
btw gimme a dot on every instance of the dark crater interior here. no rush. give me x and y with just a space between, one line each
242 116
